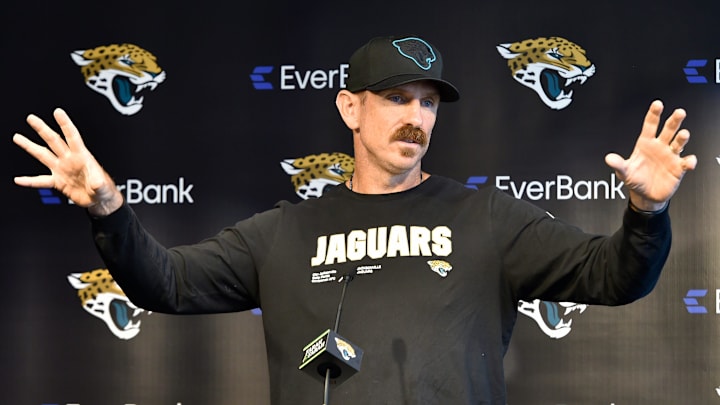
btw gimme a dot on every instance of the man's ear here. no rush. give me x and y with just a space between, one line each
348 104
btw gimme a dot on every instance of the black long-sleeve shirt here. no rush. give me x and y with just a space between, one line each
440 269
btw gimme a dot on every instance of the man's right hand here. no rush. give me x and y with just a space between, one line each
73 169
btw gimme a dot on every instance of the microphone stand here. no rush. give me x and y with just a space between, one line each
345 280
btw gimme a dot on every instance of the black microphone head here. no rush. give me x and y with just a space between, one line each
332 352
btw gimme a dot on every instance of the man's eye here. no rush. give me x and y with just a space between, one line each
396 99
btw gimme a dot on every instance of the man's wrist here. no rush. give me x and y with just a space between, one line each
107 207
654 211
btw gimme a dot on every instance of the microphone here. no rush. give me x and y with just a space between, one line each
330 357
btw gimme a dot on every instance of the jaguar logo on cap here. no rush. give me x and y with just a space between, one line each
417 50
387 62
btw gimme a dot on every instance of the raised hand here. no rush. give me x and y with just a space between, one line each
654 170
73 169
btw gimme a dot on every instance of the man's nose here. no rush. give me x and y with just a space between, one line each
413 113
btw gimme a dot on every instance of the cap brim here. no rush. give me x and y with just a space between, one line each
448 92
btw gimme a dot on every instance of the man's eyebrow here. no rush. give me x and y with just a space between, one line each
399 90
391 90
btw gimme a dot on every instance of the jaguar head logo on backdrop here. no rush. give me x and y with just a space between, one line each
102 298
548 66
311 175
553 318
120 73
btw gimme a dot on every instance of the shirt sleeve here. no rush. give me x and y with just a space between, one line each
545 258
217 274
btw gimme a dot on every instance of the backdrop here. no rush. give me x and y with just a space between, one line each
232 98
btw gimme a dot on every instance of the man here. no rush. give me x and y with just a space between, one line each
439 268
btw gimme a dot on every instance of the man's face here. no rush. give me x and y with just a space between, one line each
394 126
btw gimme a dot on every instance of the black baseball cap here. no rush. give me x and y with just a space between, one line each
386 62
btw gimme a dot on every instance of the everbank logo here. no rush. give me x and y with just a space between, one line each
698 300
136 191
172 193
697 71
561 187
289 77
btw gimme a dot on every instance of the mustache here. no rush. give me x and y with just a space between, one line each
412 134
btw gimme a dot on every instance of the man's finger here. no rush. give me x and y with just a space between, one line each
672 125
42 154
681 139
53 140
652 120
43 181
69 130
617 163
689 162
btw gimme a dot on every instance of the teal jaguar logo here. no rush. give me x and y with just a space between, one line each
416 50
